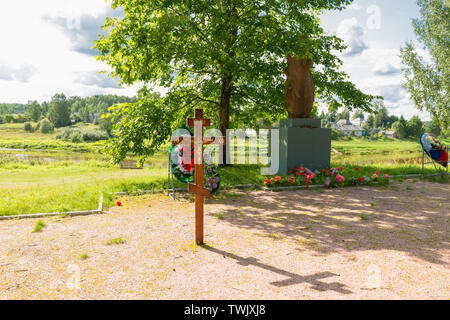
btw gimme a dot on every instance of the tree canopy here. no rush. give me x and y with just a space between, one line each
59 110
429 83
226 56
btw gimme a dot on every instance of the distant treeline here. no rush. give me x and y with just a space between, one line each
12 108
61 110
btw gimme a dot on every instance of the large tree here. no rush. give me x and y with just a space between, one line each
226 56
59 110
34 110
415 127
429 83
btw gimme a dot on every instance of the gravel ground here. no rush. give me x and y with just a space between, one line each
352 243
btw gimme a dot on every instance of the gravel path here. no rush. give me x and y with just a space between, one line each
352 243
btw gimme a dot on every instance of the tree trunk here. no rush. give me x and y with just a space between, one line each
227 80
224 111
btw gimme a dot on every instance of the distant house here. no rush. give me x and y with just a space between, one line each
350 129
389 133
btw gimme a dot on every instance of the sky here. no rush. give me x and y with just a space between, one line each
46 47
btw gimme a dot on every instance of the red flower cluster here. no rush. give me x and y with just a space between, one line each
269 182
329 178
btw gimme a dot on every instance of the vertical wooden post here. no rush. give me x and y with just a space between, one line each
198 187
199 202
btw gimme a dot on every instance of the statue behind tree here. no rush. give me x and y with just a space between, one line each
299 96
302 140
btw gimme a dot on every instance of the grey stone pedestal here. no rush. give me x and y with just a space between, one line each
303 142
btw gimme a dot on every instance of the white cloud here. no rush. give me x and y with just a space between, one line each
36 50
22 73
97 79
353 34
82 29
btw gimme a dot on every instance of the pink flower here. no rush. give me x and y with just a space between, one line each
377 172
340 178
386 176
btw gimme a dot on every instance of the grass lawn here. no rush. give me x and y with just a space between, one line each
13 136
29 183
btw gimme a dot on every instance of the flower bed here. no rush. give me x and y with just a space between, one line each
334 177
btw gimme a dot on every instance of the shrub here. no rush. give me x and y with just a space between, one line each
46 126
338 135
106 125
76 137
20 118
9 118
94 135
28 127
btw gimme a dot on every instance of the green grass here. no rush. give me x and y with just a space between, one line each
39 226
13 136
74 180
220 216
115 241
84 256
364 216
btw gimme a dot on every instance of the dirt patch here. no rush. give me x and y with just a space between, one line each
352 243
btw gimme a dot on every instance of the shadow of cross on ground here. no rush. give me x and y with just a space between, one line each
293 278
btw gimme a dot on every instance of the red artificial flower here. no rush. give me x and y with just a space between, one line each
377 172
267 181
307 187
356 169
340 168
361 179
298 173
119 204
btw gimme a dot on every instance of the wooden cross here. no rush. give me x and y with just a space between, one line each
198 188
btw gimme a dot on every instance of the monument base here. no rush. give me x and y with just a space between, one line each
303 142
